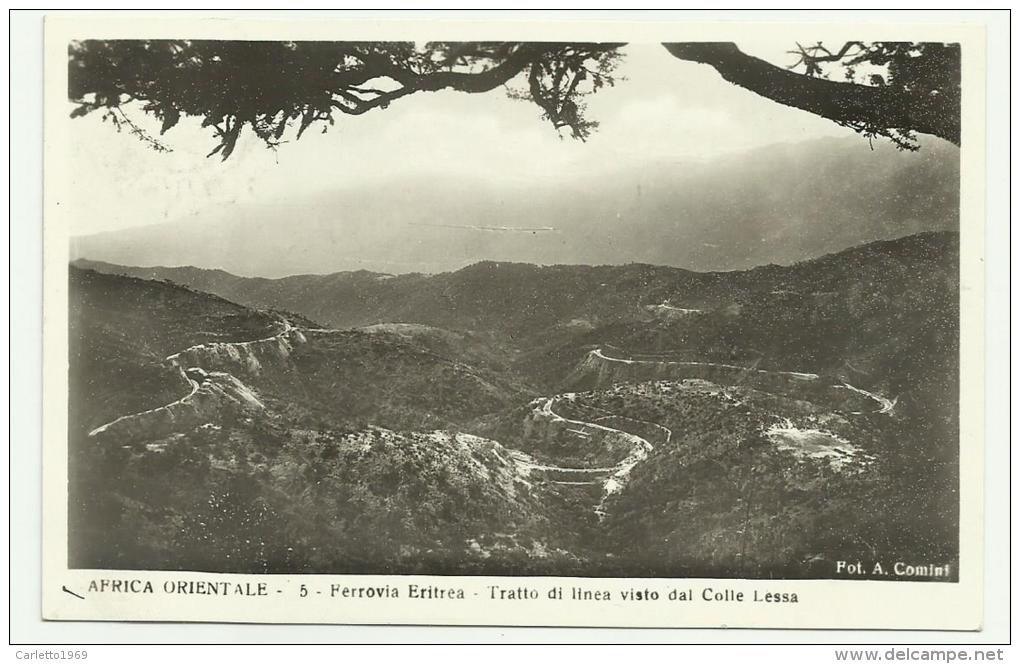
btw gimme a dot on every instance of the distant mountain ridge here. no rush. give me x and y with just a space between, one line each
779 204
522 300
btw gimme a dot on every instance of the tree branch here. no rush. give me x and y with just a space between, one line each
846 103
524 57
411 82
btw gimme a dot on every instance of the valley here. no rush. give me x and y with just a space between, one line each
514 419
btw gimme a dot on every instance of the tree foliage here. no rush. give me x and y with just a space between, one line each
889 89
271 86
927 73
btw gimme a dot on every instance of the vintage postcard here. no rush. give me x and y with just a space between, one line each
644 324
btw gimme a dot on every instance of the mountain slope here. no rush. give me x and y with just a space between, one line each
880 307
121 331
885 315
190 410
611 420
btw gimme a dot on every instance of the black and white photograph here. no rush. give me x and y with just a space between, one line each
559 309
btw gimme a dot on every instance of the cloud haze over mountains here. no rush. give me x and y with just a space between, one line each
778 204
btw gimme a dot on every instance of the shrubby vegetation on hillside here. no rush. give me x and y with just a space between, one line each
349 458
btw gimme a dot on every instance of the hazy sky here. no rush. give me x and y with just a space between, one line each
665 110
